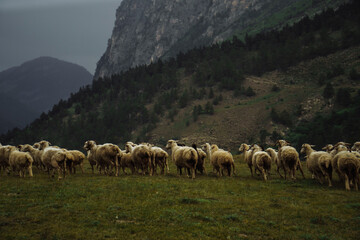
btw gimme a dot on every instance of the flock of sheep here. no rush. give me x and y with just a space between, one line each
146 158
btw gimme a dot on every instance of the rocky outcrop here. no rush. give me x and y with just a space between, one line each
148 30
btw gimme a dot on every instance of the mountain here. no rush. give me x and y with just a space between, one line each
300 83
145 31
34 87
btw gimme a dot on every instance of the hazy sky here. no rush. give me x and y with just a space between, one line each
72 30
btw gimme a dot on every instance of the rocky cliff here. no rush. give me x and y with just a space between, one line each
147 30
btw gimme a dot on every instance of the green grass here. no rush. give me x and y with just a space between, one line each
87 206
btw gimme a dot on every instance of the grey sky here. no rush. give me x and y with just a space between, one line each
72 30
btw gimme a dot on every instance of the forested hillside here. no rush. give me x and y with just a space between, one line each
135 103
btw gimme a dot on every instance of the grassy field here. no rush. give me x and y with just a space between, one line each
87 206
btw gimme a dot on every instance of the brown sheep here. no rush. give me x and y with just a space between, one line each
183 157
289 159
105 155
221 159
20 162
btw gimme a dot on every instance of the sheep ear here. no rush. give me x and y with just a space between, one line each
312 146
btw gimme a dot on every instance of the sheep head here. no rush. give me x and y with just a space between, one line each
44 144
356 146
214 147
170 144
282 143
306 148
89 145
244 147
328 148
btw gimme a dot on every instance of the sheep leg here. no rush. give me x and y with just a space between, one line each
251 171
30 171
302 173
278 171
347 184
264 174
193 173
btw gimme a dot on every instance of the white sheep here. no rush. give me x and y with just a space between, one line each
4 157
79 158
183 157
35 154
160 158
245 150
141 156
334 160
356 147
289 158
221 160
261 161
105 155
20 162
318 163
275 159
55 159
125 161
348 166
200 166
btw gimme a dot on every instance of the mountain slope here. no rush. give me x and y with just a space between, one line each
35 86
226 93
145 31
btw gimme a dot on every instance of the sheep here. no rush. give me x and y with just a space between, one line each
79 158
35 154
200 166
207 149
274 156
55 159
160 157
348 166
318 163
334 161
105 155
289 158
221 159
245 150
20 162
125 161
183 157
141 156
356 147
4 156
261 161
92 161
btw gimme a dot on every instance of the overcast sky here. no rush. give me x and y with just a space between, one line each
72 30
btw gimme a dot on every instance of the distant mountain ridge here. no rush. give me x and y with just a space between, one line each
146 31
35 86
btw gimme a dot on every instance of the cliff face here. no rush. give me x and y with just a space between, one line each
147 30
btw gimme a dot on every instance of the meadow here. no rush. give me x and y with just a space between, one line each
93 206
